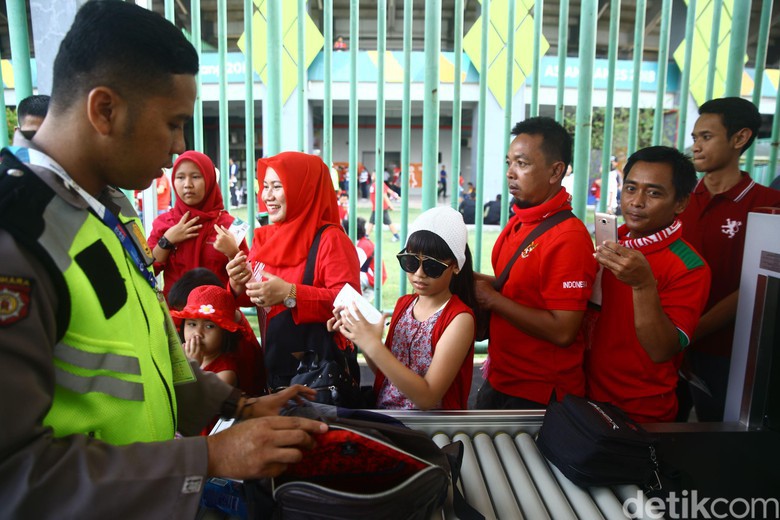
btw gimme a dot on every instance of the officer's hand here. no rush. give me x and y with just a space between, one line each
268 405
261 447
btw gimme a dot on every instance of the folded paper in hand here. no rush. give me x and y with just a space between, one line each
348 295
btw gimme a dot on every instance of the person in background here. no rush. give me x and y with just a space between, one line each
491 212
340 44
363 182
387 207
427 360
30 113
365 251
196 232
536 344
74 266
714 223
252 376
233 180
301 206
468 207
653 285
442 191
614 187
344 209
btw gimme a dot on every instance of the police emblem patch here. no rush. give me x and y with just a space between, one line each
14 299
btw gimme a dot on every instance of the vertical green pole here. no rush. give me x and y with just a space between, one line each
685 81
274 75
381 36
4 141
197 116
457 105
301 75
563 46
481 116
510 62
740 20
761 47
588 24
717 9
609 111
639 43
663 65
169 11
327 108
769 173
538 16
249 120
406 123
354 38
224 138
430 157
20 48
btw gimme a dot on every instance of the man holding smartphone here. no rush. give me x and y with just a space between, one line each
654 286
536 347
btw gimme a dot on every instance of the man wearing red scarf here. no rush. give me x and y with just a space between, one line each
654 286
536 346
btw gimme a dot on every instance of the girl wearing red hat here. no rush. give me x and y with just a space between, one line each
211 330
302 206
194 233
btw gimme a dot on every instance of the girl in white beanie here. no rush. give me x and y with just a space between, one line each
427 359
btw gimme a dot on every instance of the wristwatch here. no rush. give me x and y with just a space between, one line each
290 300
164 243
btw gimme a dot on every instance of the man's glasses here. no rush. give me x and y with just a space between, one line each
410 262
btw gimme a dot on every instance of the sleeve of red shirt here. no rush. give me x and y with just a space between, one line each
568 271
683 298
337 264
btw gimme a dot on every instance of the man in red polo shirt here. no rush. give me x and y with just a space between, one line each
654 286
536 346
714 223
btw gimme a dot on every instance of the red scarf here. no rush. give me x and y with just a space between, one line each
311 203
209 209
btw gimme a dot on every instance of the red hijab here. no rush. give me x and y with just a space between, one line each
209 209
311 203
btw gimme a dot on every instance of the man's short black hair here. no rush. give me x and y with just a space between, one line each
556 140
683 173
35 106
121 46
735 114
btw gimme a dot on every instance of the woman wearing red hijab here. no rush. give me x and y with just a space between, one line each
194 233
298 193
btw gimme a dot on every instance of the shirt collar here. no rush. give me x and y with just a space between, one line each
560 202
735 193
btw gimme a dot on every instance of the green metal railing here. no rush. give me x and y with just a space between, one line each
273 102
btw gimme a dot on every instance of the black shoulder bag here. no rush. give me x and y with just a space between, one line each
307 354
483 316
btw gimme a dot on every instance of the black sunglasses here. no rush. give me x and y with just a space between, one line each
410 262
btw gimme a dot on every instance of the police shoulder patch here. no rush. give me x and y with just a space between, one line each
14 299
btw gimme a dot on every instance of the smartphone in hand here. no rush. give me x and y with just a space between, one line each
606 228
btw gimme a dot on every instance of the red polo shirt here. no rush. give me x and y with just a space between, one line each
715 227
617 368
555 273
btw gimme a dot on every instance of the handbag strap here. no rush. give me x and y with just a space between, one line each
311 259
536 232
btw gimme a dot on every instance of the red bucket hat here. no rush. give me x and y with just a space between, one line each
209 302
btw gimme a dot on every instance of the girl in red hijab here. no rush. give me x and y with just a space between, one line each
298 193
194 233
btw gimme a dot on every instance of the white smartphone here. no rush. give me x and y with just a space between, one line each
606 228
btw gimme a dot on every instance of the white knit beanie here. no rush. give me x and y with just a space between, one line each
446 223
